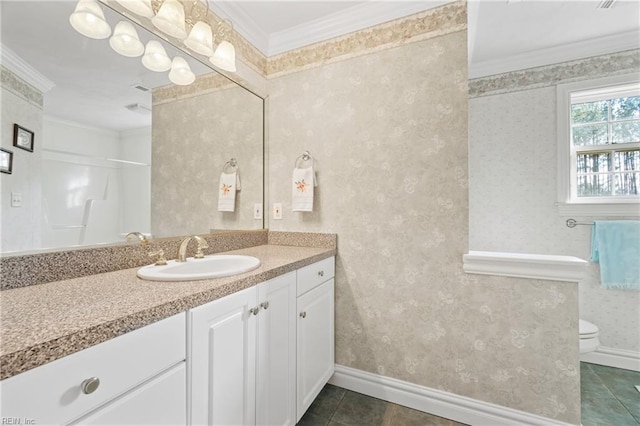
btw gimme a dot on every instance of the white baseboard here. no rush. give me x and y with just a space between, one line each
618 358
434 401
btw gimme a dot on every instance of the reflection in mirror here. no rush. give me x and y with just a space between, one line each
117 147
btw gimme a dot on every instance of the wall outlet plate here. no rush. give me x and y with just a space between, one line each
277 211
257 211
16 199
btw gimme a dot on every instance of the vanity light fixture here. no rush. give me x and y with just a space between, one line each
139 7
155 57
170 19
200 39
125 40
88 19
225 54
181 73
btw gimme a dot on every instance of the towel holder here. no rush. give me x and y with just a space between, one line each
306 156
233 164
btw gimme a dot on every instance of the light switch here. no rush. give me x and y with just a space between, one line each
277 211
257 211
16 199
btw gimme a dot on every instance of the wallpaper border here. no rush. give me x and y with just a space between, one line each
549 75
16 85
421 26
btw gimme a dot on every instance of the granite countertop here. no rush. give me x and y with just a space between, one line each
42 323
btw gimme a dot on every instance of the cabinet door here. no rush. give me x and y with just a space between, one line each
276 368
315 343
222 360
160 401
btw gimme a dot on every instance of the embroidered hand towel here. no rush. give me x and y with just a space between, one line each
302 190
229 184
616 246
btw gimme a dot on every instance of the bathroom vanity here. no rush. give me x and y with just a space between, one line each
255 348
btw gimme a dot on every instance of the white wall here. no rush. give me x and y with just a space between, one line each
20 226
135 145
512 195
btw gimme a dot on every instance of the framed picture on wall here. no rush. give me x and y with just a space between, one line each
23 138
6 161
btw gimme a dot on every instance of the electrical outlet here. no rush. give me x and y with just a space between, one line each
16 199
257 211
277 211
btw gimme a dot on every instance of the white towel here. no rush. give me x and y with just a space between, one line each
302 190
229 184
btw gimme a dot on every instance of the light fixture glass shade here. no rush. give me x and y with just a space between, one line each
88 20
170 19
155 57
125 40
225 57
200 39
181 73
139 7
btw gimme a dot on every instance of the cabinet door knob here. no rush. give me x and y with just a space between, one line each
90 385
264 305
303 314
321 273
254 311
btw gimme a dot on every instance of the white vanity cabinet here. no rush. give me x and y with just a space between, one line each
242 357
315 331
136 378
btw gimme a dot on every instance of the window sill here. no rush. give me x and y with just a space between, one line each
599 209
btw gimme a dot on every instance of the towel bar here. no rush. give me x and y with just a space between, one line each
572 223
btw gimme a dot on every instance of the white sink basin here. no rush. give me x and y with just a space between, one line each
215 266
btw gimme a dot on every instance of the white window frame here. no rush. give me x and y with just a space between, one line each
568 204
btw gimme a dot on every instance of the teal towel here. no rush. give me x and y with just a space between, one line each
616 246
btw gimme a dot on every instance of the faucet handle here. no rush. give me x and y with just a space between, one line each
161 260
202 244
139 235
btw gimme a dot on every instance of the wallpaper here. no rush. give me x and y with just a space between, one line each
512 196
192 140
388 132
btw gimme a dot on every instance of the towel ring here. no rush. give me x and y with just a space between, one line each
233 164
306 156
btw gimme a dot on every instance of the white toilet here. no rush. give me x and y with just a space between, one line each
589 341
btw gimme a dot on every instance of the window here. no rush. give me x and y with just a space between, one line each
599 146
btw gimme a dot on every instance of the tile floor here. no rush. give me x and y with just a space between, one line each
609 398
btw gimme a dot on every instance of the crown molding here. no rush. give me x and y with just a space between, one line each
567 52
242 23
344 22
26 72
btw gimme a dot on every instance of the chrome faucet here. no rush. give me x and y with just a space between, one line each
182 250
139 235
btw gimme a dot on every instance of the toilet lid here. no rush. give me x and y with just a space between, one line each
587 329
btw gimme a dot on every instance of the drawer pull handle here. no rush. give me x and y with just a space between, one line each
254 311
90 385
264 305
303 314
321 273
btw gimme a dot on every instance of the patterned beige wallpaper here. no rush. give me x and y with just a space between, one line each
193 137
388 131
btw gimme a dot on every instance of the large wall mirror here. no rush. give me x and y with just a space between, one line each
117 147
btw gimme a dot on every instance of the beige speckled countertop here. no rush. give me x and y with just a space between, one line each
41 323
